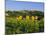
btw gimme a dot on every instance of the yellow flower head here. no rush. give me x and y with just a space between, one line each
33 18
19 18
36 17
27 18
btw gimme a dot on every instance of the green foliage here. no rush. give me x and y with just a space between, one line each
16 27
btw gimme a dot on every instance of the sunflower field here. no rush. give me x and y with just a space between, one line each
20 25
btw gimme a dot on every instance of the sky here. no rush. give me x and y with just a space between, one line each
21 5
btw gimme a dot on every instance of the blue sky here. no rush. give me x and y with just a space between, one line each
20 5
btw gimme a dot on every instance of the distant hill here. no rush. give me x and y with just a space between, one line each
25 12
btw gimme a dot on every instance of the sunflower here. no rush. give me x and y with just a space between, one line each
27 18
19 18
33 18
